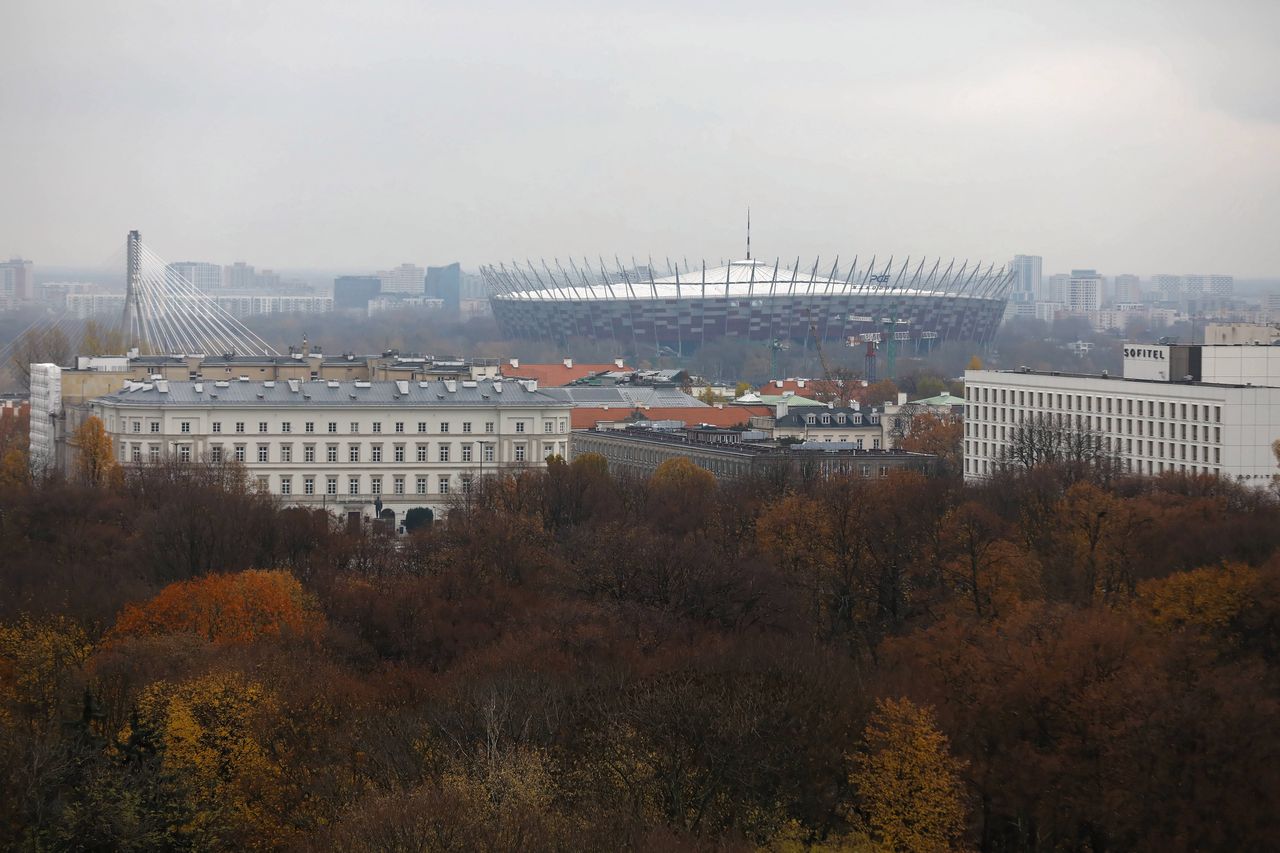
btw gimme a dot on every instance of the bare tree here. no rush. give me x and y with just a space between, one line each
1046 440
37 346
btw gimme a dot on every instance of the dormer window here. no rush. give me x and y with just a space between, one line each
826 419
840 419
810 419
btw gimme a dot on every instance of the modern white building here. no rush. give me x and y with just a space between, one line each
406 278
1026 278
46 409
353 447
1084 291
203 275
1191 408
1127 288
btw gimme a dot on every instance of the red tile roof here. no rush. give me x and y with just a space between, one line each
586 418
800 387
556 375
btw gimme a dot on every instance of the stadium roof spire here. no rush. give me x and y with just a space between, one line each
748 232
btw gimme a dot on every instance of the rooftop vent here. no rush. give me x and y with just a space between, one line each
222 384
268 384
468 384
162 386
402 386
423 384
364 384
515 362
199 387
497 387
568 362
332 384
450 385
261 395
294 385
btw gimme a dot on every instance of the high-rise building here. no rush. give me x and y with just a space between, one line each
239 276
1128 288
1221 286
203 275
446 283
355 291
406 278
1055 288
1193 285
1026 278
1168 288
1084 291
17 284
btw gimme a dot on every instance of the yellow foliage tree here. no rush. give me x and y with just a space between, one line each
908 781
975 363
95 458
15 472
208 731
682 475
37 657
795 531
1208 599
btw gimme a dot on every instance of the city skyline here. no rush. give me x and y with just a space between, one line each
323 138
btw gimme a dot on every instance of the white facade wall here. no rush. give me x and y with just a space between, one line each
407 456
1151 426
406 278
46 409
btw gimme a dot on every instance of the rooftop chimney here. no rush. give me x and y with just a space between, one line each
619 363
514 362
568 362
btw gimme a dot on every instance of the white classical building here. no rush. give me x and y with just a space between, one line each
348 446
1192 408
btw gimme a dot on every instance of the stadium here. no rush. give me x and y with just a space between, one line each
749 300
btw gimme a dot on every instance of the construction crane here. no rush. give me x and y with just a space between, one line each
835 387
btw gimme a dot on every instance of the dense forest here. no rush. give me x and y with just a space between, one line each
569 661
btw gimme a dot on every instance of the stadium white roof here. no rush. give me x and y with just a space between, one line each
754 278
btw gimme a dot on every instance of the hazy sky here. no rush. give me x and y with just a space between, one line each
1126 136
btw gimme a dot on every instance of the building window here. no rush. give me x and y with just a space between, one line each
421 485
286 485
155 426
262 453
308 453
444 426
519 426
375 485
309 426
488 427
153 453
444 453
308 485
488 453
466 453
398 453
466 426
239 452
548 427
239 426
355 427
422 453
184 453
353 453
397 485
422 426
263 485
375 453
399 426
444 484
286 427
217 426
466 484
137 426
185 426
519 448
333 426
286 453
377 426
353 485
331 453
262 426
136 451
331 485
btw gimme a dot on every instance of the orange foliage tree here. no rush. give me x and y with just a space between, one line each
941 435
230 608
95 459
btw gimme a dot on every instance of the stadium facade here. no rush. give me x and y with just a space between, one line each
754 300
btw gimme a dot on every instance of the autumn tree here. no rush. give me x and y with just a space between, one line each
95 457
212 735
101 340
987 571
940 435
225 608
681 493
41 345
1208 599
908 783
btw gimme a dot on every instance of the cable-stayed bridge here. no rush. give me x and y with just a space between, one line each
165 313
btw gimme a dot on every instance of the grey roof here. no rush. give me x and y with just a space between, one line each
319 392
626 395
800 418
